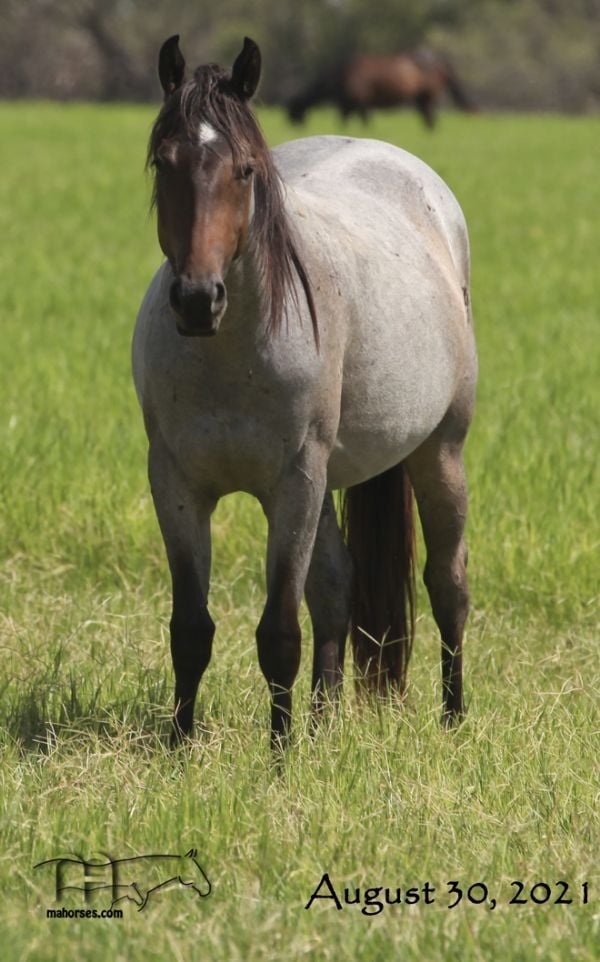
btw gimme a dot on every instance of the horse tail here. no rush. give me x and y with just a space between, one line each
456 89
378 524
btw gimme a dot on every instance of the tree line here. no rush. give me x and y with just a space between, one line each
516 54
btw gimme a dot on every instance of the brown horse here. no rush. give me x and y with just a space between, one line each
418 79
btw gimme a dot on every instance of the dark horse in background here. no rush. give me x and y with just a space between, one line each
416 79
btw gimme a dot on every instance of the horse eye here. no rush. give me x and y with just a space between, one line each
159 164
246 171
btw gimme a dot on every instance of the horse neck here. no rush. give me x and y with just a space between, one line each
248 276
247 319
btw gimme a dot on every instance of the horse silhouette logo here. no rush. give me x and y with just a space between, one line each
134 879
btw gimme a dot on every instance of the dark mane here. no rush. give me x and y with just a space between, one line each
209 97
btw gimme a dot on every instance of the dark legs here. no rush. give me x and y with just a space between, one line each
293 516
185 527
192 631
278 638
306 553
438 478
425 104
328 589
349 107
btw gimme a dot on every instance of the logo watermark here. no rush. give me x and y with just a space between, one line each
112 880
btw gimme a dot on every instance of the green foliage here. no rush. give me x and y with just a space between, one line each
528 54
520 54
384 797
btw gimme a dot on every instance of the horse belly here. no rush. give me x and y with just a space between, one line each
381 434
399 382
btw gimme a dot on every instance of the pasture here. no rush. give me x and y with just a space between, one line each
384 798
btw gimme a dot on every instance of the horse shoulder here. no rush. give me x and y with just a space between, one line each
149 316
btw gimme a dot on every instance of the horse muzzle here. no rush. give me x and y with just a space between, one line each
198 305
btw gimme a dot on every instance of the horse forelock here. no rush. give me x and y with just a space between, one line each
208 99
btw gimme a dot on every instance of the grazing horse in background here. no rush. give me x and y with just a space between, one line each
310 330
417 79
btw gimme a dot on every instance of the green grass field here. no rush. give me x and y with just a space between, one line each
383 799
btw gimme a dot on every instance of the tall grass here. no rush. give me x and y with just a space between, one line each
382 797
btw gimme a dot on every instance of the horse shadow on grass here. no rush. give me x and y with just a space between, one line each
37 717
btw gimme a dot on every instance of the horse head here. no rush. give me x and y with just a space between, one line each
194 875
204 150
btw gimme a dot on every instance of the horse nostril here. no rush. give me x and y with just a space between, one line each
198 303
219 295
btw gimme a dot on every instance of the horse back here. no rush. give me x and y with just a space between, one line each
381 195
383 81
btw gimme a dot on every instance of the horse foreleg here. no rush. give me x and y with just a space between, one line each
293 516
185 525
425 104
438 479
328 587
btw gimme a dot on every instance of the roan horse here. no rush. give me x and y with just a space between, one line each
309 331
418 79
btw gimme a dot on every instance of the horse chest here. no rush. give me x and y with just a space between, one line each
231 432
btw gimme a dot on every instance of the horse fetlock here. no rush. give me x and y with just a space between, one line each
453 716
181 729
192 638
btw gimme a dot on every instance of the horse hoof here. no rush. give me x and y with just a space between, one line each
452 719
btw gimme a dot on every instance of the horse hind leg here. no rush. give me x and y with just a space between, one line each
328 589
438 478
184 521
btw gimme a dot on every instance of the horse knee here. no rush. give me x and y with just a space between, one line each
191 644
279 651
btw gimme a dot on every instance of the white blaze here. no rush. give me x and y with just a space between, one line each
206 133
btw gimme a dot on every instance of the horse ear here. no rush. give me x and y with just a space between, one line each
246 70
171 65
